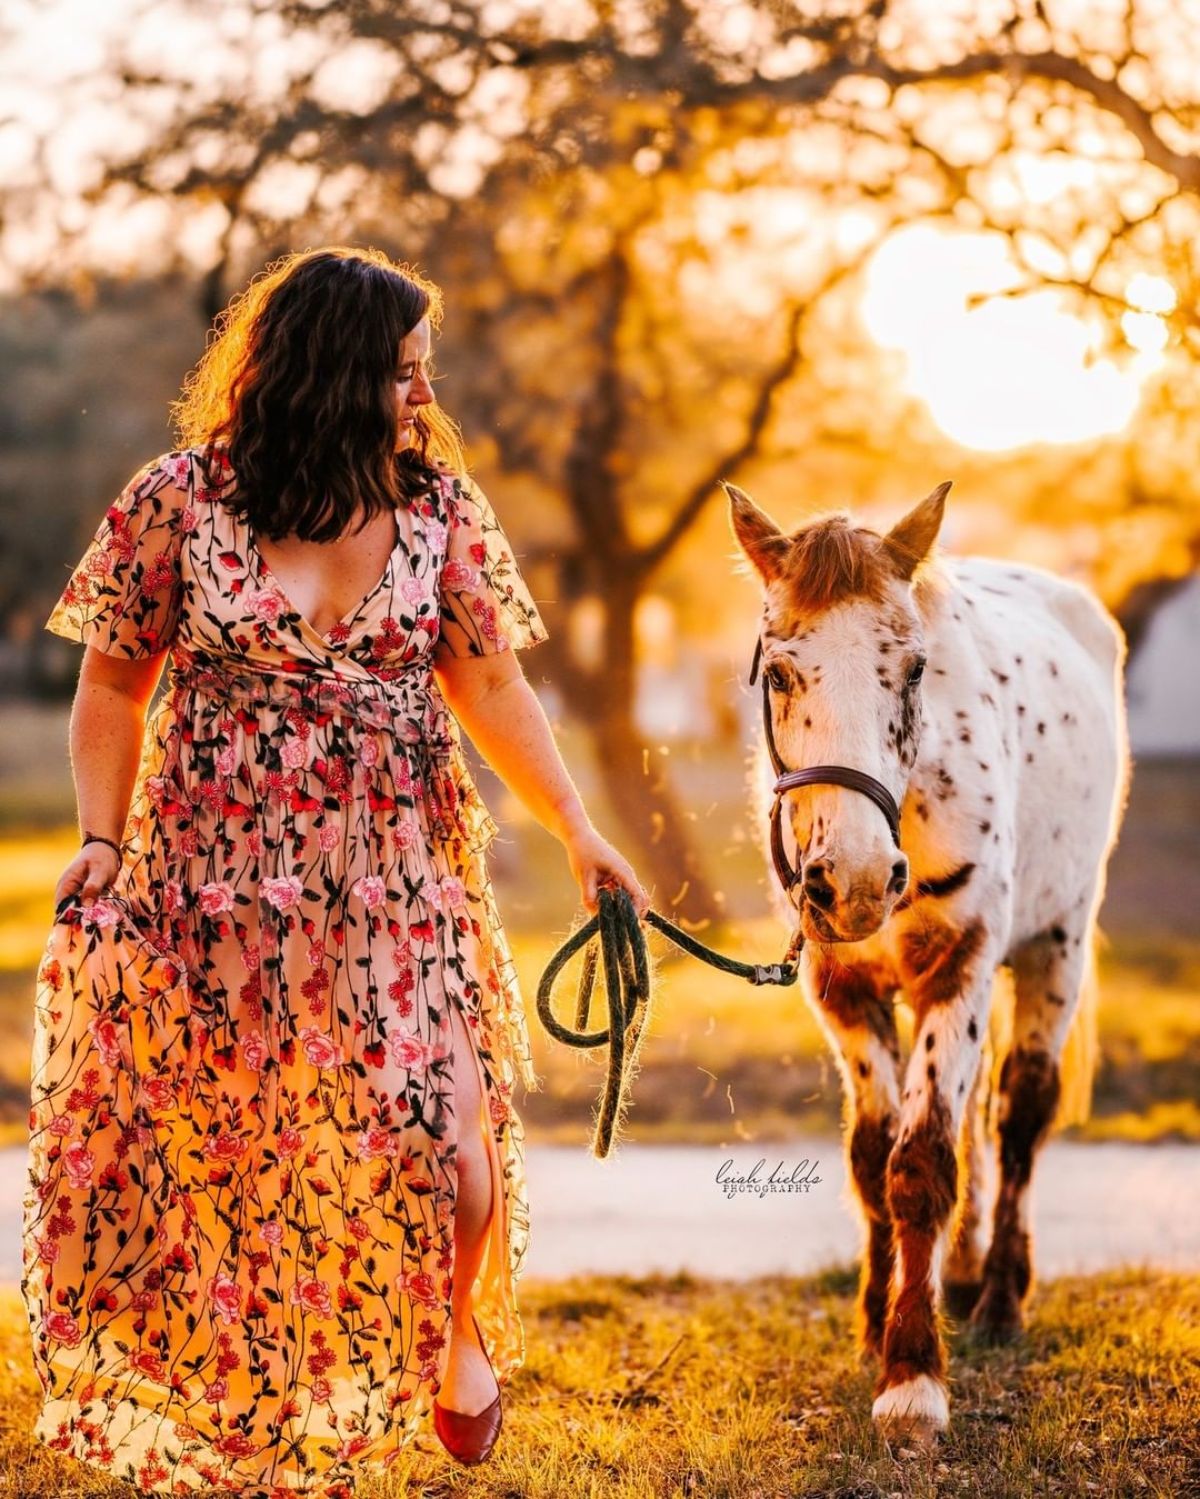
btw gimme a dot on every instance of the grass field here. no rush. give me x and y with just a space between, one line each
668 1388
723 1061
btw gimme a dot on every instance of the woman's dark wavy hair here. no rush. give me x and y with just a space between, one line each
298 383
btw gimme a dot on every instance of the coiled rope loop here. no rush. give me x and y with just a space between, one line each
622 945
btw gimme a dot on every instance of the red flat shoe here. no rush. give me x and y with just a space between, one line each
469 1439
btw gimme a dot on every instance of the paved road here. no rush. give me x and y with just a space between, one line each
661 1208
654 1208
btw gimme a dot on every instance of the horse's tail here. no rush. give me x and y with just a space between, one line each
1077 1065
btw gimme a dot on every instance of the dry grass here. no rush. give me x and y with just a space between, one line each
675 1387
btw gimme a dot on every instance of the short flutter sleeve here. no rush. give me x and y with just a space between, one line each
125 594
486 605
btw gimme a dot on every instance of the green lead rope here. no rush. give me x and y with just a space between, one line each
627 985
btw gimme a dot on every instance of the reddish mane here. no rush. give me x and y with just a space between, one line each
831 560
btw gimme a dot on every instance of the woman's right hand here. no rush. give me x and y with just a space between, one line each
595 862
88 875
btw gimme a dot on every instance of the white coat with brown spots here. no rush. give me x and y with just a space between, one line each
987 697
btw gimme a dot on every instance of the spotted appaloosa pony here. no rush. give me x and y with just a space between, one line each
987 698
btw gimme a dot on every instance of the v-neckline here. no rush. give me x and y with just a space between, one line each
265 570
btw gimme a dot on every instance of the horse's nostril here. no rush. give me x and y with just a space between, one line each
899 879
817 886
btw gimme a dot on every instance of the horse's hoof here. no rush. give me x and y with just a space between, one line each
996 1318
914 1413
960 1296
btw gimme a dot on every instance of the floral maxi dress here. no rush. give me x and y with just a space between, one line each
238 1235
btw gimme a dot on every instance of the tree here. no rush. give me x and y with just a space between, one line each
592 189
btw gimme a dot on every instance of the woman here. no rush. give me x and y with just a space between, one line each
277 1197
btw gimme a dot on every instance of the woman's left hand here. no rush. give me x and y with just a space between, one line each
595 862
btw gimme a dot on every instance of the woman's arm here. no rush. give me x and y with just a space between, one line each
501 713
108 720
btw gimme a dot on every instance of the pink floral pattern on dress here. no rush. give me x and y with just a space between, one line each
238 1238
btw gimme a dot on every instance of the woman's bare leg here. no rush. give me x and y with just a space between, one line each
469 1384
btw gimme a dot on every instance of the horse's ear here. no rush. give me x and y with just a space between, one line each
911 540
757 534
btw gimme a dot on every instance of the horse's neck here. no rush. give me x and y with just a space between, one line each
950 646
936 594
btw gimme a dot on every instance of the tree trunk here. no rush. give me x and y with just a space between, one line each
602 699
660 849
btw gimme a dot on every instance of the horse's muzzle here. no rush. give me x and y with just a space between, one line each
851 922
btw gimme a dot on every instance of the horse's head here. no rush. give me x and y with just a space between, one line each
843 653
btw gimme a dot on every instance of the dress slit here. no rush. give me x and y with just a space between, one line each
488 1289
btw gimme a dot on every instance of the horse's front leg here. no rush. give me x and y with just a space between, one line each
856 1010
951 997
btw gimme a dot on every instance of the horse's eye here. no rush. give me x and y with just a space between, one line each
776 678
916 672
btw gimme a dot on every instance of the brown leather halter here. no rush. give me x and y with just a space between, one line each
812 775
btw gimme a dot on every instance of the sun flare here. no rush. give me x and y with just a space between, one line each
1009 370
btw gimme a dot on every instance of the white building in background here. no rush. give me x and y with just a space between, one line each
1163 687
